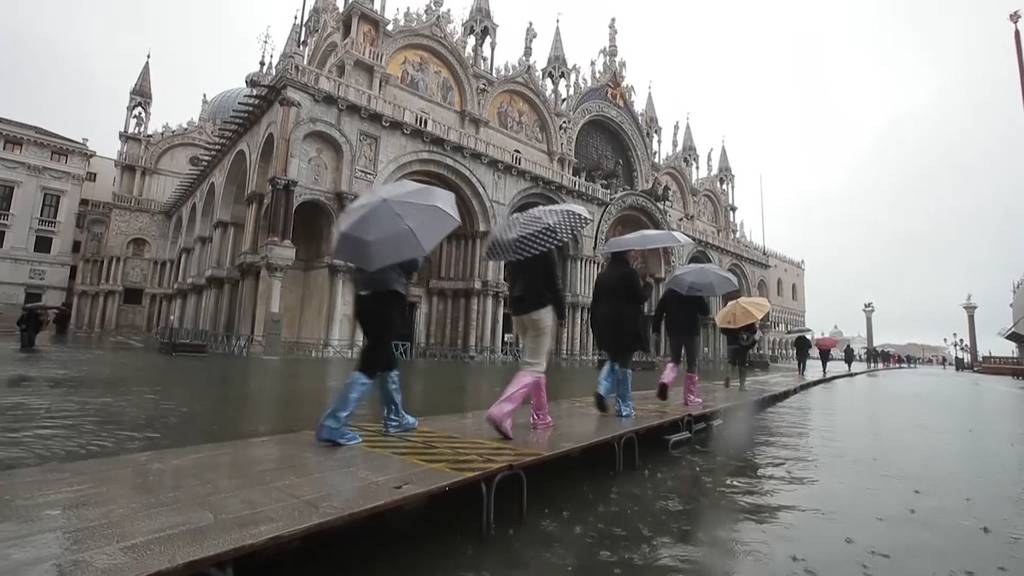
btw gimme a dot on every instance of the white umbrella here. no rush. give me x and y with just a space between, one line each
702 280
645 240
536 230
394 223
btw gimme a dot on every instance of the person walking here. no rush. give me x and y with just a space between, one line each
617 321
682 317
62 319
803 346
381 304
849 355
944 362
825 355
537 306
29 324
739 342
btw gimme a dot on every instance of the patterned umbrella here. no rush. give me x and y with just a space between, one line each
702 280
535 231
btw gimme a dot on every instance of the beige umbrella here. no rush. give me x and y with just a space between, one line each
743 311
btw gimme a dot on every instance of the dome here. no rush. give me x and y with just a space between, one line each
836 332
219 108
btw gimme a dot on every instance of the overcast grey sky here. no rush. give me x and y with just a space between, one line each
889 133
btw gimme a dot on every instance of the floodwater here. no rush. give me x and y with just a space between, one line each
909 472
88 399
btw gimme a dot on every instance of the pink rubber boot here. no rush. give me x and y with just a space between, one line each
539 417
500 414
691 396
668 376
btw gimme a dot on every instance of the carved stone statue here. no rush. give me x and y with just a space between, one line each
140 121
408 19
675 137
613 33
531 35
709 160
593 71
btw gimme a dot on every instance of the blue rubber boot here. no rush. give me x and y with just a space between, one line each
624 393
333 426
605 386
396 419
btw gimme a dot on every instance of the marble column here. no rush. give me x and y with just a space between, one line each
446 335
86 314
115 307
499 318
336 303
272 321
216 260
474 313
487 317
574 324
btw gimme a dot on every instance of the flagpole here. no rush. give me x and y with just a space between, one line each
1015 17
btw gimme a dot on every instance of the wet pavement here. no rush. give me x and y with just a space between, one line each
79 400
907 472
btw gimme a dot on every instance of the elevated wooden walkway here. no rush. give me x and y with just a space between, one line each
188 509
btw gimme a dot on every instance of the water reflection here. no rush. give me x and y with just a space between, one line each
866 476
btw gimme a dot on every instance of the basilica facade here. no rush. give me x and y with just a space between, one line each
221 228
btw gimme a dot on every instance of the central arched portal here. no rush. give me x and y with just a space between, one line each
305 294
452 304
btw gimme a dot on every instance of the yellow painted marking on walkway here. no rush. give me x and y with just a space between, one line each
443 451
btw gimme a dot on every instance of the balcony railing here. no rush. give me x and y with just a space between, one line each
47 224
127 158
136 202
365 50
5 217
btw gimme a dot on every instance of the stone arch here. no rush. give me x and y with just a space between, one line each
305 293
191 225
700 256
410 55
446 172
617 120
264 163
516 98
679 187
323 59
795 294
231 207
633 201
742 278
336 154
206 214
533 196
778 288
138 247
762 288
708 210
177 226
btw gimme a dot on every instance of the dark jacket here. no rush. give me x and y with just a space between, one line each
617 308
394 278
30 322
743 337
533 284
681 313
803 346
848 354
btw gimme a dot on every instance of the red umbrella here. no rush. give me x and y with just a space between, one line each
826 343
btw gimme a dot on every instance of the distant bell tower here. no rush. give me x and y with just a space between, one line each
133 135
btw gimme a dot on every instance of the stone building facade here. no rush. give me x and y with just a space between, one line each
225 223
41 179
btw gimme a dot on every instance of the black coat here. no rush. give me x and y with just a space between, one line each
849 355
617 309
533 284
681 313
803 347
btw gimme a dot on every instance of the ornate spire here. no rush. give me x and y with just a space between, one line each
481 26
143 89
556 57
292 49
650 114
723 161
689 147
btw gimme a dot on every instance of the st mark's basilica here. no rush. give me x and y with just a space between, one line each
221 227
